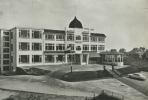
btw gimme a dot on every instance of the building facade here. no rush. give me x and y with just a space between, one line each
35 47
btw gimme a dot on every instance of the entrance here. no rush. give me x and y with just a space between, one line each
78 60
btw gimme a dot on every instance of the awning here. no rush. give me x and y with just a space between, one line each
94 54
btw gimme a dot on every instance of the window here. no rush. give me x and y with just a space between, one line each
37 34
24 46
70 37
60 37
11 59
49 58
36 46
86 38
24 34
6 68
11 35
5 50
84 58
70 58
49 36
101 47
6 44
93 39
60 47
78 37
5 62
94 47
72 46
85 47
101 39
36 58
11 47
6 56
6 33
5 38
60 58
49 46
23 58
78 48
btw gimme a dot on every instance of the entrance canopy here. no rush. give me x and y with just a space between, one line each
94 55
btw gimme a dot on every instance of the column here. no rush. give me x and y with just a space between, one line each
65 58
87 59
55 55
81 59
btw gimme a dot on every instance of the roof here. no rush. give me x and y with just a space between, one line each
98 34
75 23
54 31
111 53
94 54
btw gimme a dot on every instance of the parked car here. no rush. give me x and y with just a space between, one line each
137 76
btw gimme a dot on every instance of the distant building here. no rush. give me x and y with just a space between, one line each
22 47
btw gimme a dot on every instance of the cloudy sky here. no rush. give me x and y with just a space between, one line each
125 22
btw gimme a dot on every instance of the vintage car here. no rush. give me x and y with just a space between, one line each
137 76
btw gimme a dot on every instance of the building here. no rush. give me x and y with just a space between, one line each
35 47
112 57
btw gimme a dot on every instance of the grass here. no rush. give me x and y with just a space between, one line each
84 75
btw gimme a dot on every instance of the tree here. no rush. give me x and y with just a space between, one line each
122 50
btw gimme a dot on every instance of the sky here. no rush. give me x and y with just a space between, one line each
124 22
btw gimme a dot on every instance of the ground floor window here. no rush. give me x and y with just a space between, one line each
60 58
6 68
70 58
49 58
36 58
84 57
23 58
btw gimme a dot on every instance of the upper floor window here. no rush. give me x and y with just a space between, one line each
71 45
94 47
6 56
78 48
101 39
101 47
5 50
5 38
93 39
37 34
6 33
23 58
24 46
60 37
24 33
70 37
78 37
49 36
6 44
5 62
36 46
86 47
60 46
86 38
49 46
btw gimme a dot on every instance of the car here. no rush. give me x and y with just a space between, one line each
137 76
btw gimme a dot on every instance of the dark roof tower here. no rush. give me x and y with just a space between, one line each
75 23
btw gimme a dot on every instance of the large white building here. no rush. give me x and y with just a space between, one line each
35 47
